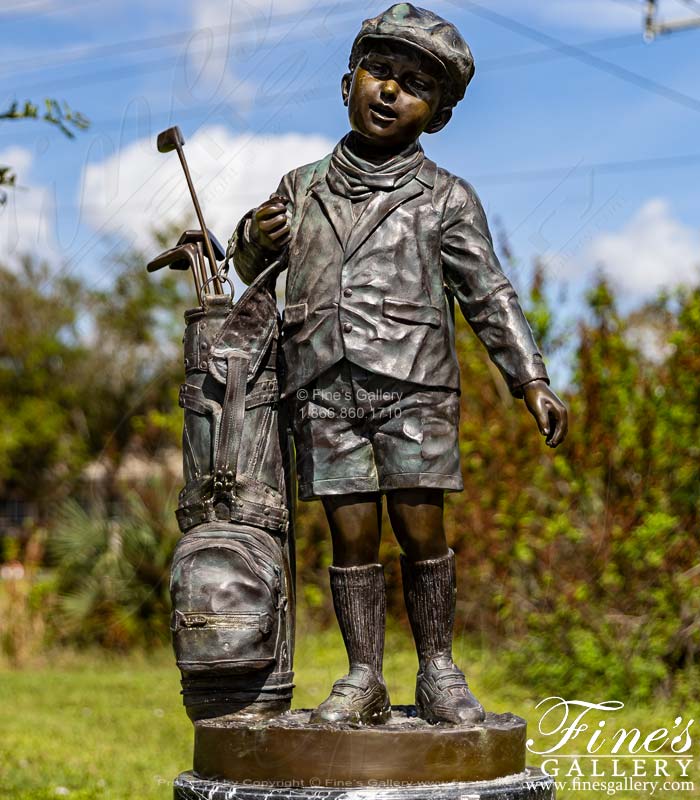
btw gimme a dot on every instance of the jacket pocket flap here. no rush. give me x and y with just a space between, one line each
294 315
406 311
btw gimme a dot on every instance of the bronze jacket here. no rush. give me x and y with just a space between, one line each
378 290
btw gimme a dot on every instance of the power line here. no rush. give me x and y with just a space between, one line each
114 73
40 13
694 4
654 28
124 72
631 3
553 53
485 65
21 7
88 53
87 246
650 164
576 52
602 168
314 93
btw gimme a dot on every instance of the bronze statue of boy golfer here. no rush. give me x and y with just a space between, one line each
380 242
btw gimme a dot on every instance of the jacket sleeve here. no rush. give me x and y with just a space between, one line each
250 258
473 274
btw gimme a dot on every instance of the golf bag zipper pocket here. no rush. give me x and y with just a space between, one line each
241 621
229 602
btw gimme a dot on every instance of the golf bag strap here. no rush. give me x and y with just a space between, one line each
192 398
269 272
231 430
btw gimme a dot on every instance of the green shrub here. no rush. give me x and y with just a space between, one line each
112 574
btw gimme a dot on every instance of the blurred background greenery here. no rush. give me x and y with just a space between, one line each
578 569
579 566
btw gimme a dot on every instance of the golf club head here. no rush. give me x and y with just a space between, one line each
183 257
197 236
170 139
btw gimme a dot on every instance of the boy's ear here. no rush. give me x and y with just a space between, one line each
345 83
438 122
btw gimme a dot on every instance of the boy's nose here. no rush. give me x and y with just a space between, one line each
389 90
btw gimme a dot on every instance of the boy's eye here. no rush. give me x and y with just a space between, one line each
419 83
377 69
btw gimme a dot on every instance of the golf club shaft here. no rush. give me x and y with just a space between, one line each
202 266
197 283
200 217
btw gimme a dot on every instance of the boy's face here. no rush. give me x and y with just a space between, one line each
393 96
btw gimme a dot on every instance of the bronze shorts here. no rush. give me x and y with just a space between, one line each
357 431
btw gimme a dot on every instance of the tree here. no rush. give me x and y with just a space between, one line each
57 114
85 375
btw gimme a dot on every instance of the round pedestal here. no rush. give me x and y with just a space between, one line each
531 784
290 751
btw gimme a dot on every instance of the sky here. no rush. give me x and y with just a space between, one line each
580 138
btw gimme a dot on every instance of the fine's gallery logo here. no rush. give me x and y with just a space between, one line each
587 748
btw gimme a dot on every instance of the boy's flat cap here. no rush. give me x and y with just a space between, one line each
427 32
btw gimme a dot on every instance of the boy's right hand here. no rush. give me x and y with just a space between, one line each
269 224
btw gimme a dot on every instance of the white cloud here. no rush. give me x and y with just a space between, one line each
209 51
138 189
653 250
227 31
27 219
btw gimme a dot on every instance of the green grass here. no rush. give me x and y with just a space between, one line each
87 726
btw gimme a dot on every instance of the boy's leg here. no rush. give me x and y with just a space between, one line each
355 521
430 591
357 586
417 519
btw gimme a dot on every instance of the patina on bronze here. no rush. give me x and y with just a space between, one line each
380 242
405 750
232 577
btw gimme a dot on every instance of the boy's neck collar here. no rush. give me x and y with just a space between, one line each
375 155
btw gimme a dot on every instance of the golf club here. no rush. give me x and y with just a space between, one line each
172 139
196 237
182 257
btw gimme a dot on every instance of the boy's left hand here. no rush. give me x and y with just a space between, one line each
548 410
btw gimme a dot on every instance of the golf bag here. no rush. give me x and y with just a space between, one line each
232 577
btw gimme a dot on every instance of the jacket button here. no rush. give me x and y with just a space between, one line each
347 327
347 292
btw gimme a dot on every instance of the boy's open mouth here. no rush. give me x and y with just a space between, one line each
385 113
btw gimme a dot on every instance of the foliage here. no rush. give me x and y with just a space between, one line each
581 563
58 114
61 115
98 370
27 599
585 561
112 574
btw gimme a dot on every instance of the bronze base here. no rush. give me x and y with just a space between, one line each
532 784
288 750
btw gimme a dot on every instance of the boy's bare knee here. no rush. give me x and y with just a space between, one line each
417 519
355 524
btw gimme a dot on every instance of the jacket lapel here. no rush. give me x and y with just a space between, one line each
352 234
383 203
337 209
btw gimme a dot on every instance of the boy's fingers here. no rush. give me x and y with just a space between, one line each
272 209
562 427
279 234
559 425
272 224
542 418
